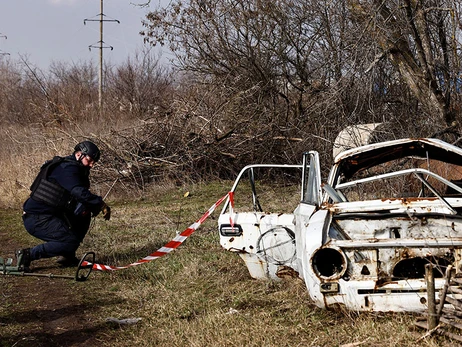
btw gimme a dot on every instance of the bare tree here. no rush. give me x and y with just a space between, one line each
139 86
420 39
244 44
293 68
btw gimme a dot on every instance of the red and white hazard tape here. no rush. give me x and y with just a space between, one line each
170 246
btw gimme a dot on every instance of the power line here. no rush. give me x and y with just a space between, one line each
100 44
2 52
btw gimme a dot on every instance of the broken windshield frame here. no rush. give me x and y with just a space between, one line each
250 170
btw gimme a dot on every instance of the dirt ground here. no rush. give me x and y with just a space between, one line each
43 311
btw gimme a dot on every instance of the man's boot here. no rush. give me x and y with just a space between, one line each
23 259
68 261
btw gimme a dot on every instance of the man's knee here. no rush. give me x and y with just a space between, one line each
70 247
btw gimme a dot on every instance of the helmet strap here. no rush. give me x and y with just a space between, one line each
81 156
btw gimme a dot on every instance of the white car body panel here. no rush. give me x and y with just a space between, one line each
388 209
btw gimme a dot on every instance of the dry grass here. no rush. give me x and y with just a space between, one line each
23 151
25 148
201 295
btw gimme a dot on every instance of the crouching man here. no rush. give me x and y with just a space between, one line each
60 207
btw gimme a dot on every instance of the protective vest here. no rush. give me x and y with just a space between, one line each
48 192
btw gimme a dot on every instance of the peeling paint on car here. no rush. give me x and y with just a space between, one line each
361 239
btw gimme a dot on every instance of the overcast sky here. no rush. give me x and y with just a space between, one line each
53 30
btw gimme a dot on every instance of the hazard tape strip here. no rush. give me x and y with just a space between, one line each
170 246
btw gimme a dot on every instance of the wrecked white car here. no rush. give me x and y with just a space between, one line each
360 240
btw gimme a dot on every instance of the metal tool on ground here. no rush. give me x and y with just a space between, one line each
82 273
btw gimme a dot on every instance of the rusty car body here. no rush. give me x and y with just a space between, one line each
362 238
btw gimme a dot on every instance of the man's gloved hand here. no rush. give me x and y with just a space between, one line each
106 211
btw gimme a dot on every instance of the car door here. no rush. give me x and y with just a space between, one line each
257 221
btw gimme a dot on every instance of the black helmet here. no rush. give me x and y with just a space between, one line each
88 148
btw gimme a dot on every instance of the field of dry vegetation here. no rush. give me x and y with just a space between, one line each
198 295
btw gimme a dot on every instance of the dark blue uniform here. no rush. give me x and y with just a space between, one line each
62 228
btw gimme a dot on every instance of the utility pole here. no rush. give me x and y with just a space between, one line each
1 52
100 46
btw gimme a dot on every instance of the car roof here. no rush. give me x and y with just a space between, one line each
353 160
